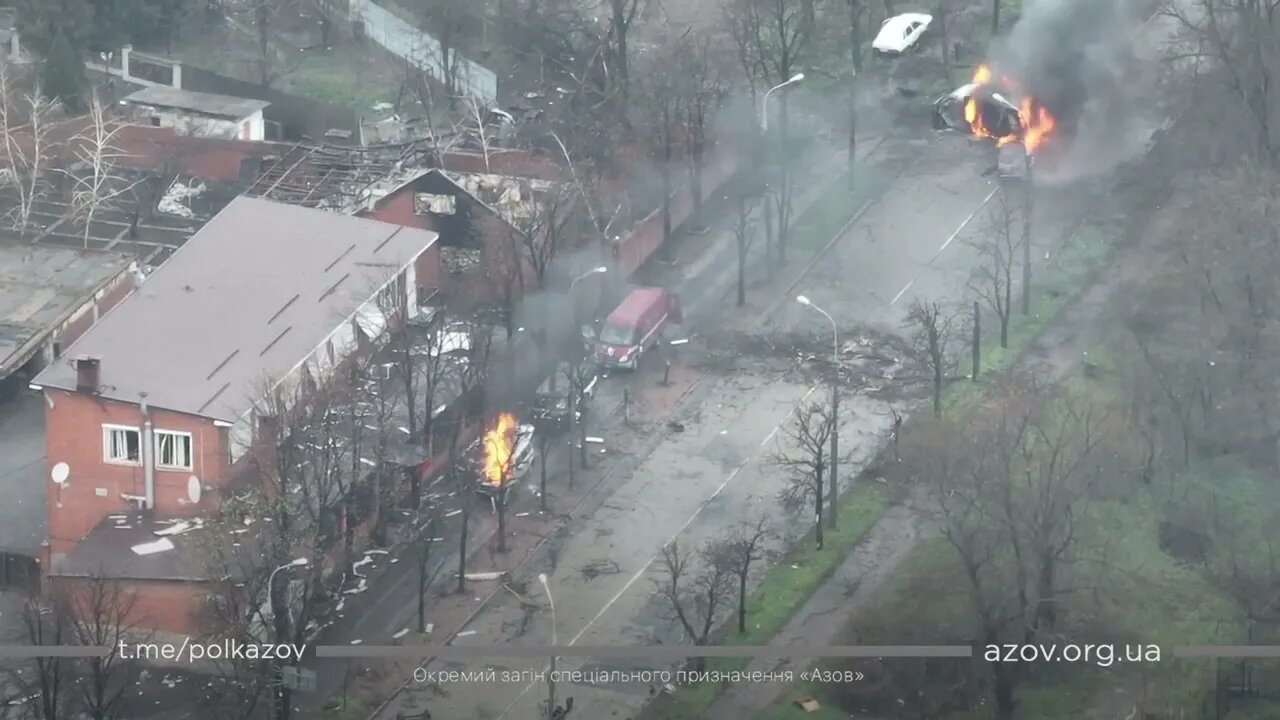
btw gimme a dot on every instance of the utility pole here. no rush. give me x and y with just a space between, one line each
833 493
977 340
834 507
1027 209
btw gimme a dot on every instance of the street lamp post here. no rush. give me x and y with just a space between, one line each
281 629
555 639
296 562
835 407
764 104
758 160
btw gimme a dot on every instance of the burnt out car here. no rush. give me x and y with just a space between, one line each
994 112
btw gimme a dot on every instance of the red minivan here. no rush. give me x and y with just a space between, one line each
635 326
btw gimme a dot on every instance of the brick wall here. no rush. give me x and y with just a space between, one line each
166 606
93 489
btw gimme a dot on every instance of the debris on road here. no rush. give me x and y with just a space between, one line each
809 705
596 568
484 575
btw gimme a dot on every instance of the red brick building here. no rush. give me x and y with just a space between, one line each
155 404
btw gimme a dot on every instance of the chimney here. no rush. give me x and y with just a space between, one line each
87 375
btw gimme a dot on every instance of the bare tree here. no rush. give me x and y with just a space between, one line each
622 15
856 11
694 598
997 247
932 329
98 183
1241 38
449 21
743 235
26 120
103 615
544 232
739 553
239 609
45 686
468 411
806 460
772 37
957 462
704 92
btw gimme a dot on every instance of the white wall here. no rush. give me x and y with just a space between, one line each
203 126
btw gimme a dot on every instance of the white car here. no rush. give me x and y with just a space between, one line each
901 33
453 340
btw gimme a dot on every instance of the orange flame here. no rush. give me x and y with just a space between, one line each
1037 122
499 446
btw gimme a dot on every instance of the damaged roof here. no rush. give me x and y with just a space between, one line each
244 302
41 287
127 546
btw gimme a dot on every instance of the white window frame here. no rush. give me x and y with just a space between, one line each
191 450
107 430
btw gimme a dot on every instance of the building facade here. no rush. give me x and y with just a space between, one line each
156 404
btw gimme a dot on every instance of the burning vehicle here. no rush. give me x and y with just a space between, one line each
502 456
986 108
900 33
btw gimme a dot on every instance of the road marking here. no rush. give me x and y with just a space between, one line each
967 220
640 573
898 297
772 432
948 242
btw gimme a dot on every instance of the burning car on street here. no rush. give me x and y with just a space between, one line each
502 456
994 109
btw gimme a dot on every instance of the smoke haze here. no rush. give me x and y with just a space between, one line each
1076 58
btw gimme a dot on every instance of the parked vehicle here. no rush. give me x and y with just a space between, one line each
549 410
900 33
635 326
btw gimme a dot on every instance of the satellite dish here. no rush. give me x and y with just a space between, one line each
193 489
60 473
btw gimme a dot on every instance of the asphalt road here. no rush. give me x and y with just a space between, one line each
914 242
